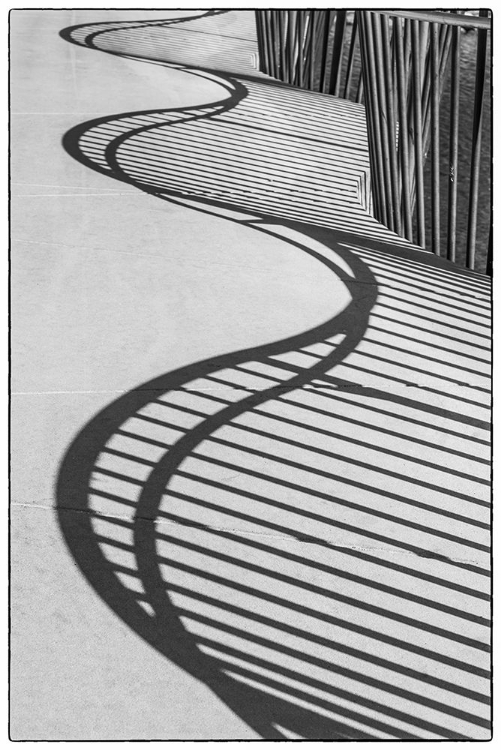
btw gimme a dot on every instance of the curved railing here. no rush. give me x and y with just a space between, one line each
423 79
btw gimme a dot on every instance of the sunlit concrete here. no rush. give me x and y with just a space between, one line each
324 550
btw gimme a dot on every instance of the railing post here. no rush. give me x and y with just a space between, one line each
435 140
454 142
476 145
403 135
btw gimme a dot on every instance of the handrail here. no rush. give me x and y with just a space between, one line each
451 19
410 69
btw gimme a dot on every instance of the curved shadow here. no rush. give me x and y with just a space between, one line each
84 34
191 502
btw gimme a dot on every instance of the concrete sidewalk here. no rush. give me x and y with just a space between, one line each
250 426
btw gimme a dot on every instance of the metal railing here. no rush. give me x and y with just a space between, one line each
313 49
422 77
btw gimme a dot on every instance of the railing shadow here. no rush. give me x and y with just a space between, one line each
303 525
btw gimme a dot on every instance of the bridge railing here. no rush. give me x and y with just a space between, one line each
423 78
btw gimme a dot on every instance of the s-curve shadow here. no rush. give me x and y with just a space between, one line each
303 525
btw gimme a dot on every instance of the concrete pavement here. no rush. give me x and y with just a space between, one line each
262 418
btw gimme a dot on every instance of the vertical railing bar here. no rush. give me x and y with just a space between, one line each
351 59
409 108
327 23
375 198
267 44
454 142
275 39
476 145
426 93
407 45
300 46
263 61
425 68
280 57
337 53
287 44
444 51
286 15
391 124
310 47
266 29
393 65
372 105
291 46
383 113
360 88
319 47
435 140
489 259
418 132
423 41
403 136
392 55
342 55
424 63
488 265
306 20
281 47
443 46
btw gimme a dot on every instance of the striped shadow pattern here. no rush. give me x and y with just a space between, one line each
304 526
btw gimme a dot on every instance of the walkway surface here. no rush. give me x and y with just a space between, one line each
250 473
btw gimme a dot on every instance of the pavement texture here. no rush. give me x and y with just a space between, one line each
250 435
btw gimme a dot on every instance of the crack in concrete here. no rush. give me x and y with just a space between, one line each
243 533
